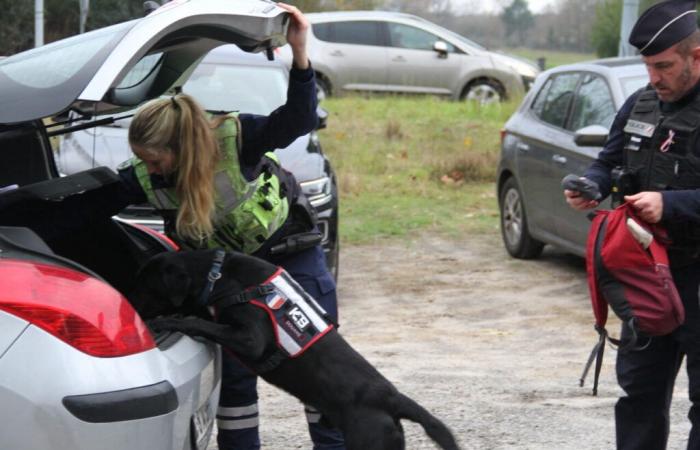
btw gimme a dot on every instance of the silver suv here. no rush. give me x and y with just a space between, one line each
395 52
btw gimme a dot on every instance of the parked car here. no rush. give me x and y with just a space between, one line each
559 129
396 52
79 369
227 79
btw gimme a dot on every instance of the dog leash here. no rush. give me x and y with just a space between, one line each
213 277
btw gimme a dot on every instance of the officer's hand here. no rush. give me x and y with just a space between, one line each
649 205
296 35
576 200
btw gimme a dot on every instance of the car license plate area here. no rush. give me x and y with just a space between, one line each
201 426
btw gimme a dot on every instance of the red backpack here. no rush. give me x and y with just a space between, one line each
628 270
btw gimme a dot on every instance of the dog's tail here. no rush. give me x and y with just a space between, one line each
438 431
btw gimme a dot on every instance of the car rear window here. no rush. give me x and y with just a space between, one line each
353 32
54 64
251 89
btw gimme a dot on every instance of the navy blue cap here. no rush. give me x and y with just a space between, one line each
663 25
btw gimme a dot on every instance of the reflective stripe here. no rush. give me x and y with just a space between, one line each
312 414
228 195
164 201
286 341
237 411
239 424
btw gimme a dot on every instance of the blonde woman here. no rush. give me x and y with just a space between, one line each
215 183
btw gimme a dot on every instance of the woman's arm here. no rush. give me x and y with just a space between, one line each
297 117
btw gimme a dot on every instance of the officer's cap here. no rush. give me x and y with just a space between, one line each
663 25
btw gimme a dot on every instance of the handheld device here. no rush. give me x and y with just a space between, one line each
589 189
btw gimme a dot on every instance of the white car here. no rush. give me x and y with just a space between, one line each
79 369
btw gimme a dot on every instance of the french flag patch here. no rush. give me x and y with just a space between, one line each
275 301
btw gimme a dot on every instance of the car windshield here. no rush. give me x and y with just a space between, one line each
253 89
632 84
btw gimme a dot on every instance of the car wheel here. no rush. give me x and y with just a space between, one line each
484 91
514 229
323 88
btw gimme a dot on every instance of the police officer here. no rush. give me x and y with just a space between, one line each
216 184
654 141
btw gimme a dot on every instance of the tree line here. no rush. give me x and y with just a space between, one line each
568 25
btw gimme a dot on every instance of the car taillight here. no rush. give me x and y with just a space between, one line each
503 134
74 307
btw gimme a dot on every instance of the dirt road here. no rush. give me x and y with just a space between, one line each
491 345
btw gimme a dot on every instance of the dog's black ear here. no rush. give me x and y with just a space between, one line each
177 282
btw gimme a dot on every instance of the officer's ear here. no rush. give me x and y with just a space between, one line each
177 282
695 54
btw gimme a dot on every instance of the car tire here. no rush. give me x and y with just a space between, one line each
514 228
323 88
484 91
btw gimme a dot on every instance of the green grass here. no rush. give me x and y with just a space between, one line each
552 58
407 164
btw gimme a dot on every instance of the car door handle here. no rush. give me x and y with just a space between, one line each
398 59
337 53
523 147
559 159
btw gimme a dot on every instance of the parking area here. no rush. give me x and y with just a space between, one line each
492 345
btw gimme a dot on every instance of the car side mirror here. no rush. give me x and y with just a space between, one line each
441 48
591 136
322 118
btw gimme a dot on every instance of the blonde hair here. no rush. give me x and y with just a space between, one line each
179 125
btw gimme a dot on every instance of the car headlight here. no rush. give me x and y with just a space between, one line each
318 191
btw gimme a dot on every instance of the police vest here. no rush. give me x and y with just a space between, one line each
660 150
246 213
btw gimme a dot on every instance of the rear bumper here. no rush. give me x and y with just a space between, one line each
128 404
54 396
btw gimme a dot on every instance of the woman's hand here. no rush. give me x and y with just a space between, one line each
296 35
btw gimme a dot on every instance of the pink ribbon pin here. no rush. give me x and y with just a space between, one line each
666 145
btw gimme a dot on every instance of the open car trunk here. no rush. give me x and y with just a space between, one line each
50 219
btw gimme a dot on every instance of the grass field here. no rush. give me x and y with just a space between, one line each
414 163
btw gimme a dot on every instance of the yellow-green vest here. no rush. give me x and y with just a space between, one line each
247 213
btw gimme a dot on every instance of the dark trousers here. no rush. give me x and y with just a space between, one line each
237 417
647 376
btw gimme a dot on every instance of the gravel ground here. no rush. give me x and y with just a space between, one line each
491 345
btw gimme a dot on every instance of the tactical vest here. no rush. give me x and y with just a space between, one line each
246 213
660 152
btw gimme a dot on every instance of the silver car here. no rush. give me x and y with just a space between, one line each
79 369
395 52
559 129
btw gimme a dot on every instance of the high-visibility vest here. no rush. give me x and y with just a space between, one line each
247 213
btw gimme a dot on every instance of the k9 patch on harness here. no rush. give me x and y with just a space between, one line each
299 321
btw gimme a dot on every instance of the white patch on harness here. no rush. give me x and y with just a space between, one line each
299 319
640 128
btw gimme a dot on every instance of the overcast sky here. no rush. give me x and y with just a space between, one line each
536 6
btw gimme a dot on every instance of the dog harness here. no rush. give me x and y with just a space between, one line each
298 320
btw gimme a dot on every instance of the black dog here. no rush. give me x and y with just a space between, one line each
330 375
